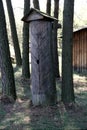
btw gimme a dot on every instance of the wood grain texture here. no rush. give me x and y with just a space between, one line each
43 81
80 50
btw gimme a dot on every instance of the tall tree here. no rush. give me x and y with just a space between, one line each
48 9
36 4
8 84
14 32
67 70
55 51
25 60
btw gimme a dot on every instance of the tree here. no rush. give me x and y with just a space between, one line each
36 4
8 84
67 69
14 32
48 9
25 60
55 27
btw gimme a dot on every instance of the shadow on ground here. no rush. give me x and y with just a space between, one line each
23 116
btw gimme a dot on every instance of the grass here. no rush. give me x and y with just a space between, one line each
22 116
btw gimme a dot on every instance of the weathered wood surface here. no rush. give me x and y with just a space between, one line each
35 14
80 50
43 81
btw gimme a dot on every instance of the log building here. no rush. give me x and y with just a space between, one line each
80 50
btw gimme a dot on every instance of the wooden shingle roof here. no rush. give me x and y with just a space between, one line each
35 14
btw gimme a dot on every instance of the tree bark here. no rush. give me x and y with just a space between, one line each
36 4
14 33
67 69
25 60
48 9
7 77
55 46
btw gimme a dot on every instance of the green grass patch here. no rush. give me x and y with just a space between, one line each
22 116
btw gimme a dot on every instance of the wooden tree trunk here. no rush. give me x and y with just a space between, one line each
7 77
67 69
55 42
43 81
48 9
36 4
14 33
25 60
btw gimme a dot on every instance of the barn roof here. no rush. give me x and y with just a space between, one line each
35 14
80 29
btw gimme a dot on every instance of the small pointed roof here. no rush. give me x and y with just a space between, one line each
35 14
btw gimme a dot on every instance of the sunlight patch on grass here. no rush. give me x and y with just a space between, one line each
81 89
79 78
71 127
27 119
22 116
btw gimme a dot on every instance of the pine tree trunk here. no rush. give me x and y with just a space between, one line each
14 33
48 9
36 4
55 47
67 69
7 77
25 60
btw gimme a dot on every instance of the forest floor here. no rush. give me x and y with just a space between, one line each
22 116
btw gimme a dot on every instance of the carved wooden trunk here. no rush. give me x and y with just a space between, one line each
42 75
43 83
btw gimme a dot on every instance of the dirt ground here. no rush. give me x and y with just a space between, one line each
23 116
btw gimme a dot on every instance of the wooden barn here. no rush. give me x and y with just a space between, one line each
80 50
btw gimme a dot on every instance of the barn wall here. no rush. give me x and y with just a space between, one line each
80 50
